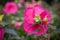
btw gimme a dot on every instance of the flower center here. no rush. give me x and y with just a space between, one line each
37 19
45 19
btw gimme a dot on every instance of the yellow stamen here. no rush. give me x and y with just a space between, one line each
45 19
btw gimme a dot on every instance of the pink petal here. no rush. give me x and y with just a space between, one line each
46 14
17 25
38 9
19 5
33 29
43 30
43 14
22 1
33 0
1 33
28 15
10 7
28 28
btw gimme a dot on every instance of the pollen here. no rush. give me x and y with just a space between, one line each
45 19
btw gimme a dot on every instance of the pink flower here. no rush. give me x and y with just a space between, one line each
10 8
36 20
33 0
1 33
17 25
22 1
19 5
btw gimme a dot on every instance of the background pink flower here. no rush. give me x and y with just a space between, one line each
19 5
22 1
1 33
30 25
10 8
17 25
33 0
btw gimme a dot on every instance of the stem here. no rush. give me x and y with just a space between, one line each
48 36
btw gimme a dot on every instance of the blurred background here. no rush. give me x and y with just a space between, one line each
18 34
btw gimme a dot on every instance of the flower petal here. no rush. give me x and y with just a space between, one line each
10 7
1 33
28 28
35 29
43 29
48 16
45 14
28 15
38 9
